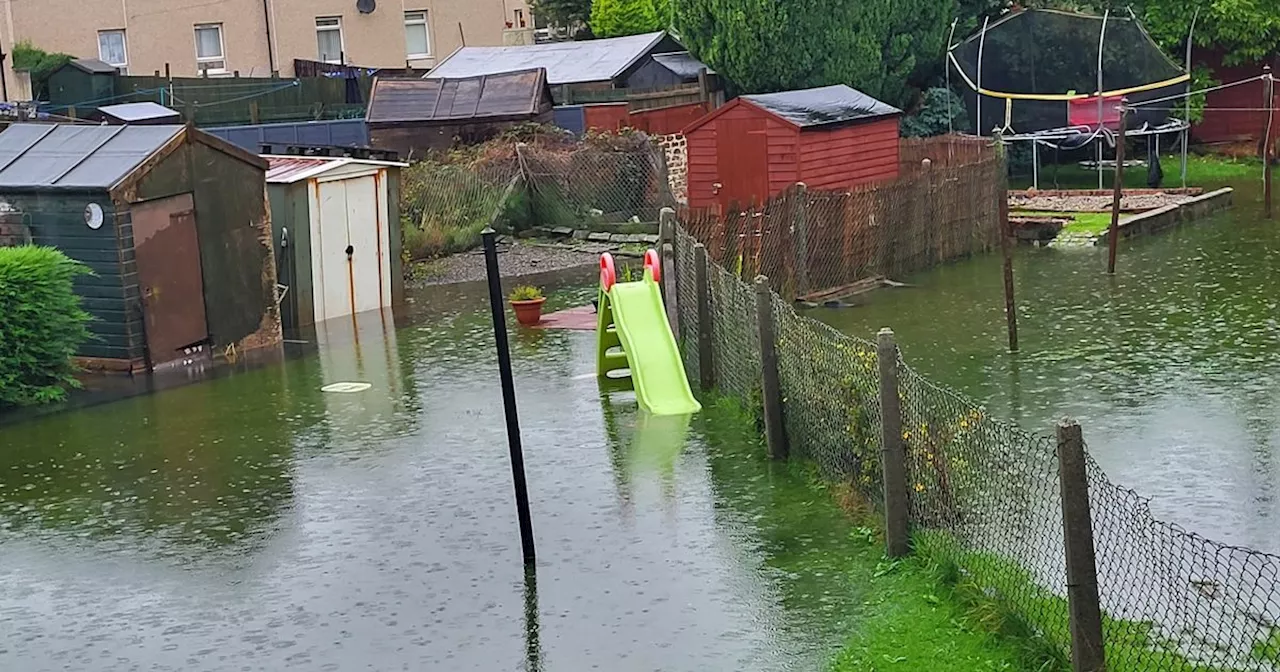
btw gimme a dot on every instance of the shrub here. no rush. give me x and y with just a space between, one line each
526 293
41 324
941 110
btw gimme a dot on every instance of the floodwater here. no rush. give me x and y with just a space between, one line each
254 522
1172 366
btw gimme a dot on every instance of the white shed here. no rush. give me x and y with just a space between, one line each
336 227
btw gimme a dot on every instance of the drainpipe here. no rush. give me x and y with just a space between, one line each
266 20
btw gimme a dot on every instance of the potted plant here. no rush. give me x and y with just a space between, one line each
526 301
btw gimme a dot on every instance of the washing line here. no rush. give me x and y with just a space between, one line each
1199 91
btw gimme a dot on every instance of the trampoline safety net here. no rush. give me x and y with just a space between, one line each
1037 70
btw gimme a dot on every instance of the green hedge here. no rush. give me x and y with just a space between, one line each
41 324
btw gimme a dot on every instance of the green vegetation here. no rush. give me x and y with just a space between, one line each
941 110
1081 222
42 327
1268 649
1202 171
526 293
616 18
826 539
39 63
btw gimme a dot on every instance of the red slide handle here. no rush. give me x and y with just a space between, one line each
608 274
652 263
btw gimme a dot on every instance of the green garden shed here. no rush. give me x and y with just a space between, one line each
336 232
82 84
174 224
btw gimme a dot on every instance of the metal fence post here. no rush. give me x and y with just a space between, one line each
706 368
800 238
892 456
771 388
1083 604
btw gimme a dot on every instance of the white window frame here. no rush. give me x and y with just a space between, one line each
211 64
417 17
328 28
124 47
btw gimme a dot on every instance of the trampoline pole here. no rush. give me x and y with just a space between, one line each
982 43
1186 134
1102 36
1035 165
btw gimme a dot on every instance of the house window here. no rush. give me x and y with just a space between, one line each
416 42
520 22
111 49
210 57
329 39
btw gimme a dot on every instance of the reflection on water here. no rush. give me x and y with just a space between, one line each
1171 366
256 522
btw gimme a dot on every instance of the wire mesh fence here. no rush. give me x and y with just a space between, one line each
447 200
984 495
816 244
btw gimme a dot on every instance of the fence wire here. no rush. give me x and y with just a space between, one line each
984 495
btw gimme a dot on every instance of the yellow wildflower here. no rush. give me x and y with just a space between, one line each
919 487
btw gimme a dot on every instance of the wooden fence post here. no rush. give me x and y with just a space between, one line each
706 368
667 256
1083 604
770 384
892 456
800 238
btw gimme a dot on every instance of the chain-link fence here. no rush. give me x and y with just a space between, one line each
985 496
447 201
817 244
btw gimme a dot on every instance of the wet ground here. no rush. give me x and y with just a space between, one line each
254 522
1172 366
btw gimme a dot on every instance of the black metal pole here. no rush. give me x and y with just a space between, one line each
508 393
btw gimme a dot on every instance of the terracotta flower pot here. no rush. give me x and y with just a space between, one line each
528 313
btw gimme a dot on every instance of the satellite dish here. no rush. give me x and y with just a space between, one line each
366 6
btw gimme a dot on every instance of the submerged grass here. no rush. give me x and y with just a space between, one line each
1092 223
895 615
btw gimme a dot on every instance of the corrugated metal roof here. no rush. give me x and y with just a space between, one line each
565 62
138 111
520 94
65 156
822 106
290 169
682 63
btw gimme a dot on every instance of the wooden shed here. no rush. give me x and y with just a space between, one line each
336 230
412 116
172 221
832 137
138 114
82 81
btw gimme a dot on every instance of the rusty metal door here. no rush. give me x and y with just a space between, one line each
743 162
167 249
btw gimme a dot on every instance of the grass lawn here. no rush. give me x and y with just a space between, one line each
1093 223
1201 171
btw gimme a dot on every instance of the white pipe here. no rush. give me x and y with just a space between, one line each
1186 135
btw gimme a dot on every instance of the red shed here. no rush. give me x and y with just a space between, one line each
832 137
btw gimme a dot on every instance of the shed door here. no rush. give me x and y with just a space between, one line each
743 161
167 250
353 270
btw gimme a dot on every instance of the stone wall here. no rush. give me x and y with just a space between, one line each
676 149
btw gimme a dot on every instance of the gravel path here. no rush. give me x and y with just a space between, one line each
1093 203
513 259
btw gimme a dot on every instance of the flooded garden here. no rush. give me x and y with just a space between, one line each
255 521
1170 365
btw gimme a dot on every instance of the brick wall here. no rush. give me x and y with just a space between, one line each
676 149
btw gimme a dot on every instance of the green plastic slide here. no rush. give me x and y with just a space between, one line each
632 333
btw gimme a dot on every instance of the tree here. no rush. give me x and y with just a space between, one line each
566 13
772 45
39 63
615 18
